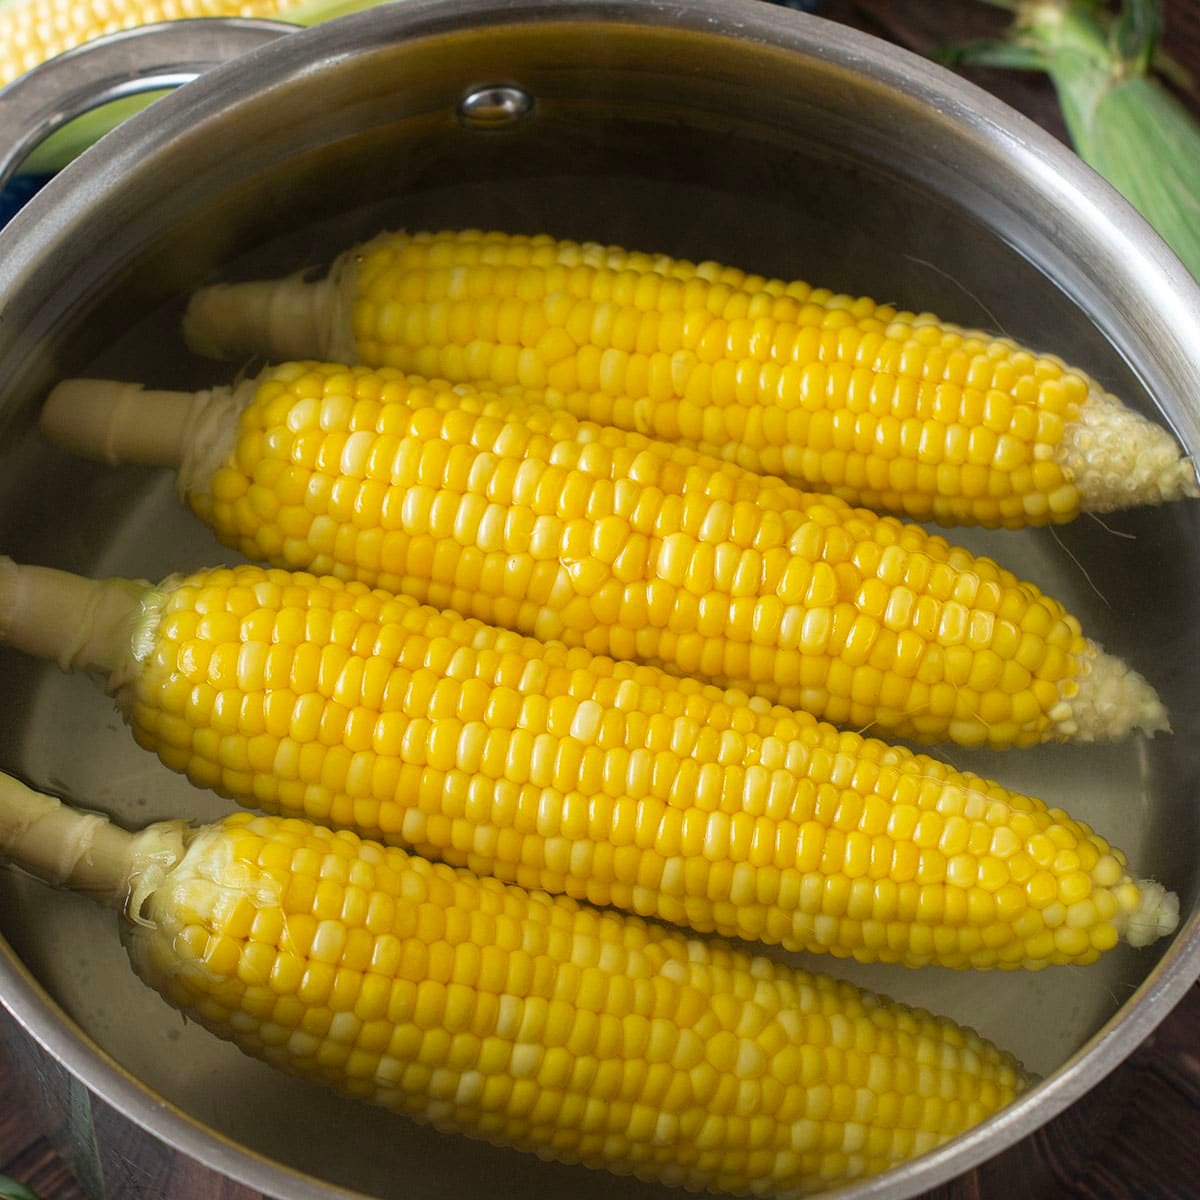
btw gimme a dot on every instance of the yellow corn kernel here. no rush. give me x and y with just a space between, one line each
33 32
668 1058
606 780
888 409
707 570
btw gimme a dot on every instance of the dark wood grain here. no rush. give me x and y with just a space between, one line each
927 26
25 1151
1136 1136
38 1166
1133 1137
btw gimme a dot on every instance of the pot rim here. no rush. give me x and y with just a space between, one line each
1030 153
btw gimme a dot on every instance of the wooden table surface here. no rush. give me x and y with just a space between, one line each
1149 1107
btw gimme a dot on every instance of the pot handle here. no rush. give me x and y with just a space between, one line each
131 62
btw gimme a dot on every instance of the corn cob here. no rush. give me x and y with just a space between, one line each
515 1017
530 519
605 781
32 31
887 409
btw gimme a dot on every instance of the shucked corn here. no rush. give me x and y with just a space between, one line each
531 519
884 408
605 781
519 1018
32 31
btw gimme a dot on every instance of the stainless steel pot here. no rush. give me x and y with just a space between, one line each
731 130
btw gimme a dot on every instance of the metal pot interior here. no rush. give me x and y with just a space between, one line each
687 135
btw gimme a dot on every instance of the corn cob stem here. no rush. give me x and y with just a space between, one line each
99 626
886 409
74 622
83 851
296 317
522 1019
604 781
113 422
528 518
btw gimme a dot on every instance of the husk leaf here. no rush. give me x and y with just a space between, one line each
1108 70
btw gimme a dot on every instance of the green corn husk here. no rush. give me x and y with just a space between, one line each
70 141
1123 120
10 1189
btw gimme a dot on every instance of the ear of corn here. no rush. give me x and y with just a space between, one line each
518 1018
605 781
32 31
889 409
528 518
